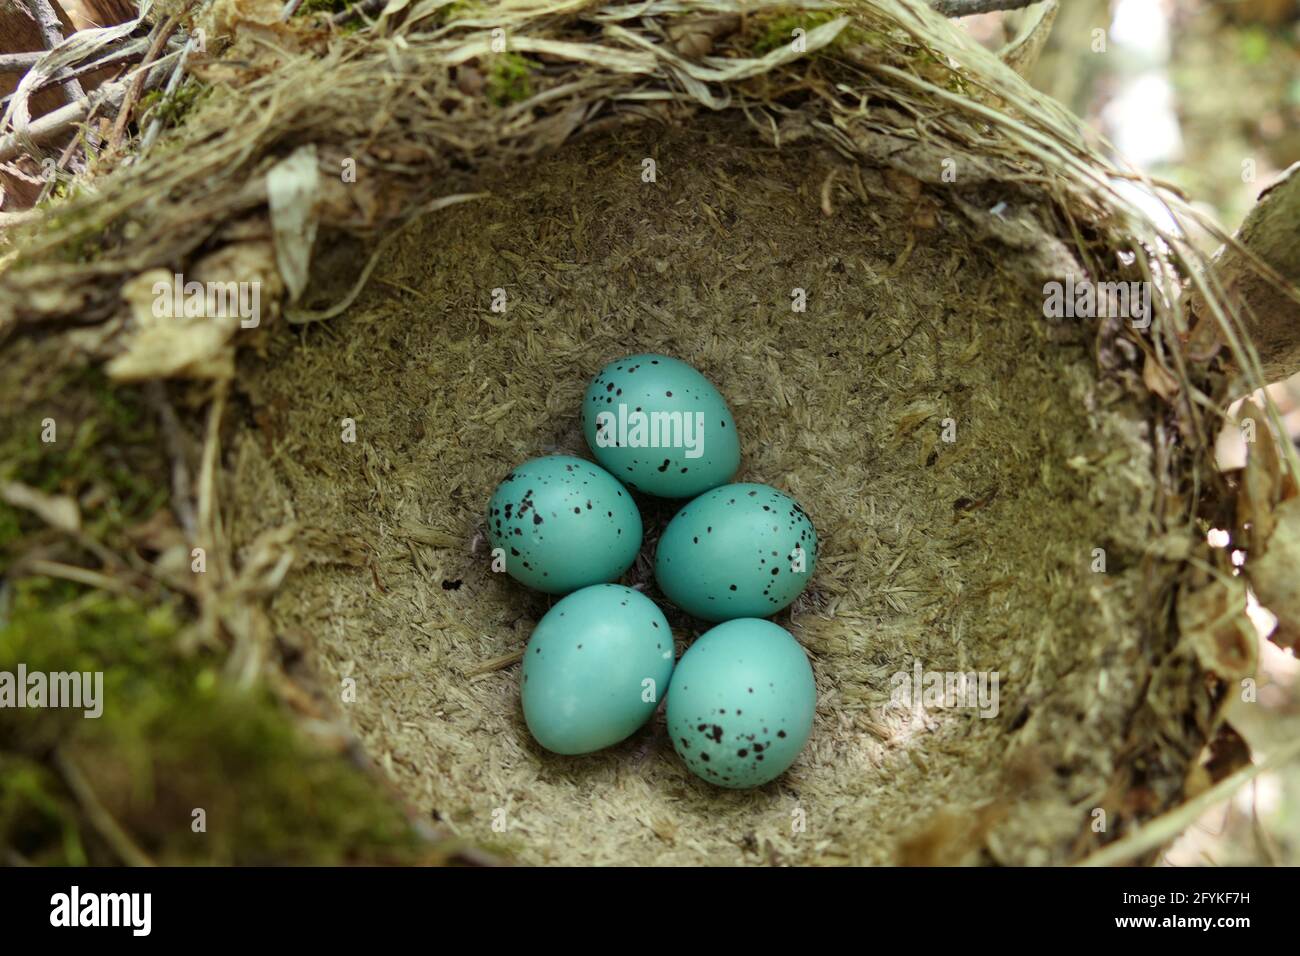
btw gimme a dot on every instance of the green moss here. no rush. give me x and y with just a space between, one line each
509 78
779 30
35 813
769 33
324 6
462 10
105 439
174 736
82 232
1255 46
173 739
11 528
172 109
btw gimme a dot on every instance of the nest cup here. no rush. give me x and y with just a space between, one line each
853 246
918 406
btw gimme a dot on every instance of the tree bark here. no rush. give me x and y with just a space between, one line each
21 33
1272 317
98 13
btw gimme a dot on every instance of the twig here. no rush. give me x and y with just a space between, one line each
100 818
162 32
969 8
65 117
290 9
45 127
70 572
182 483
948 8
209 536
300 316
495 664
18 62
1166 827
173 82
65 158
131 51
52 34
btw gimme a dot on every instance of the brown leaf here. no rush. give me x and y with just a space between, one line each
1262 480
1159 379
186 327
1212 618
1275 574
909 187
469 80
158 533
695 38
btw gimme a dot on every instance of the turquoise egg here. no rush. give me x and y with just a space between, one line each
562 523
595 668
660 427
741 703
741 550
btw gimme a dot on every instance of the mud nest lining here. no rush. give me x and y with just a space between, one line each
968 555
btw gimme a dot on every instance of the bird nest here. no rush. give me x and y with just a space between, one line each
847 215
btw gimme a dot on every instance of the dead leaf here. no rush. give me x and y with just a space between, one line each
1022 53
901 184
292 186
159 533
695 38
184 325
1174 546
469 80
1275 574
913 417
1159 379
1212 618
1262 480
267 560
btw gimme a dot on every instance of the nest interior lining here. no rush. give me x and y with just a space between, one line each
969 555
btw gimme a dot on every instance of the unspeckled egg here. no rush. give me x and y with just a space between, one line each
741 703
563 523
595 668
660 427
741 550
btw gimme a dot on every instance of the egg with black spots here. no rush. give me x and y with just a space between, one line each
595 669
741 703
660 426
560 523
742 550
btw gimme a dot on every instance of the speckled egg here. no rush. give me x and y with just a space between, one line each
741 703
596 667
562 523
741 550
660 427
